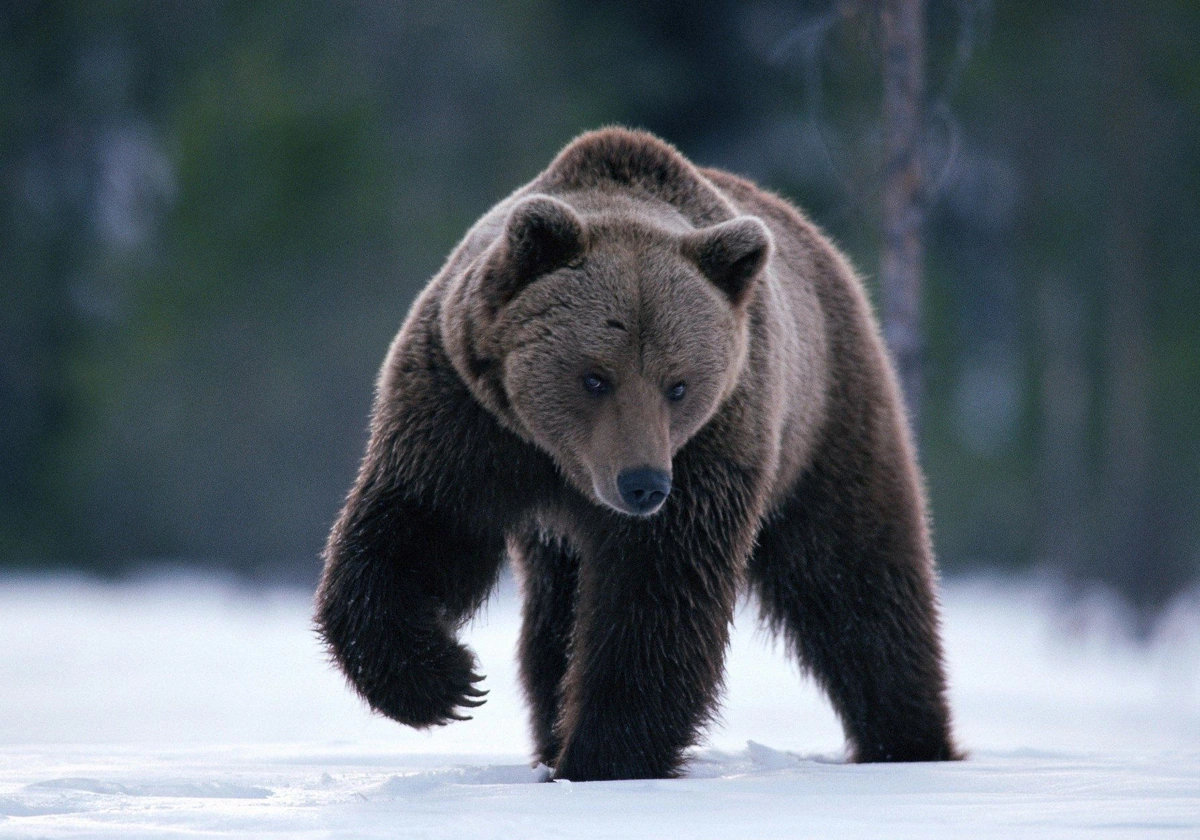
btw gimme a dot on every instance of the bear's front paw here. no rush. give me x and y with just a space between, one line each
431 691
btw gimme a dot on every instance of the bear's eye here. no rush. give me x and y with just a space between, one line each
596 385
675 392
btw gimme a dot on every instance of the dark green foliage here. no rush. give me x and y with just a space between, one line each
213 216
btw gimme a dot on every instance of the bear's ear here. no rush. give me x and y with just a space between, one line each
541 234
730 254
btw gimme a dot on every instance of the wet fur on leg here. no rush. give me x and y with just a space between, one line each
549 578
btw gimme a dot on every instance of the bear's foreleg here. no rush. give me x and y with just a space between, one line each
655 601
844 572
548 615
399 580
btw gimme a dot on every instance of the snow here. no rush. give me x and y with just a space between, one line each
184 707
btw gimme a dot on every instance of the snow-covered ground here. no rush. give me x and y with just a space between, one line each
185 707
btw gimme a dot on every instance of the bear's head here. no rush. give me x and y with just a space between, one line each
607 339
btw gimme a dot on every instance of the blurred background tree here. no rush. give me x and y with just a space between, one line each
215 215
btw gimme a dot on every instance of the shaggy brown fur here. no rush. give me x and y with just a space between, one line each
628 318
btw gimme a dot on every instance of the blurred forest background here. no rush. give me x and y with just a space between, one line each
215 215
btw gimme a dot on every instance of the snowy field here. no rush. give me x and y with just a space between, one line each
193 708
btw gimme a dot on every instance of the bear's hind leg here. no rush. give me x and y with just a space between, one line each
550 574
848 581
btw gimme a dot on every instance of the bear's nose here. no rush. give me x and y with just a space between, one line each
644 489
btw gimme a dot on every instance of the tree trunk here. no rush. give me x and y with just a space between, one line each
1132 559
902 258
1065 397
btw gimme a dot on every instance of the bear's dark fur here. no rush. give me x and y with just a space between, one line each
628 314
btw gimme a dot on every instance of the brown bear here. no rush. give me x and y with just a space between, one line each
646 383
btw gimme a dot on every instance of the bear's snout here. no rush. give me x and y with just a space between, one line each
643 490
